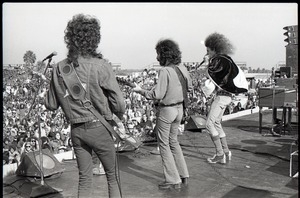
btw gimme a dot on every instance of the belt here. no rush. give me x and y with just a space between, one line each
169 105
224 93
85 123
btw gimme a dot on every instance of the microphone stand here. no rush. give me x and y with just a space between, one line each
38 89
40 135
41 190
273 105
272 132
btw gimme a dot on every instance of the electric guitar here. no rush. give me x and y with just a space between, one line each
119 132
125 82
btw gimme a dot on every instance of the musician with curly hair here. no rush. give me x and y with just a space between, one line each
88 134
228 80
169 112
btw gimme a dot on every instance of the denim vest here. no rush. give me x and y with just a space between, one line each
102 90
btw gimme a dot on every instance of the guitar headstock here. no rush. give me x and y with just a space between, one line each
125 82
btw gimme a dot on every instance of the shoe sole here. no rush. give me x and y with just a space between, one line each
171 186
223 161
216 162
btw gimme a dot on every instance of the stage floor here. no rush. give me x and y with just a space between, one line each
259 167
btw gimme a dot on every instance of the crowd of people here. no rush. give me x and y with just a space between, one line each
79 103
24 111
25 118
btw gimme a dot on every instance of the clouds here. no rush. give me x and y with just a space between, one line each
131 30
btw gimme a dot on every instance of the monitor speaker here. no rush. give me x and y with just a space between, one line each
30 164
195 123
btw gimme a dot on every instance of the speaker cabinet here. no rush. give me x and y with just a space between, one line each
286 71
266 97
30 164
287 83
195 123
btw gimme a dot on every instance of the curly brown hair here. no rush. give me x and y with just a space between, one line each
82 36
219 43
169 52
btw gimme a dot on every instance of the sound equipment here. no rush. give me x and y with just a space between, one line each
282 97
30 164
30 188
290 99
292 58
266 97
195 123
278 97
286 71
287 83
277 74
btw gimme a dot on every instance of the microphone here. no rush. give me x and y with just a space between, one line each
202 62
50 56
204 59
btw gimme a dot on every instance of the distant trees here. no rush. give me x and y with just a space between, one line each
258 70
29 58
40 66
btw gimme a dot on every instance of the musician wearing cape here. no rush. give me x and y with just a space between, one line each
225 79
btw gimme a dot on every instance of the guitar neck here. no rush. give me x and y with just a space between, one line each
125 82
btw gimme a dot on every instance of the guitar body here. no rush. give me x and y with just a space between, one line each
128 142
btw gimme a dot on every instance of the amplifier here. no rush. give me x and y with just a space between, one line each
266 97
288 83
286 71
290 98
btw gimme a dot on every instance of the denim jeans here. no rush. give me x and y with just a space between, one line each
88 137
167 126
214 117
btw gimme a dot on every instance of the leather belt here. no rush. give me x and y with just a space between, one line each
82 123
224 93
169 105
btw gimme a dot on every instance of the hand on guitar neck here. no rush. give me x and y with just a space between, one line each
126 82
41 76
136 87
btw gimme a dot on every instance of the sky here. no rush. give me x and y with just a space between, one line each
130 31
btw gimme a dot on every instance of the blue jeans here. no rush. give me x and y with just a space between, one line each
88 137
174 165
214 117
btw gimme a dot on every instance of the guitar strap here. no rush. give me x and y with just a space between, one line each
184 86
78 92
